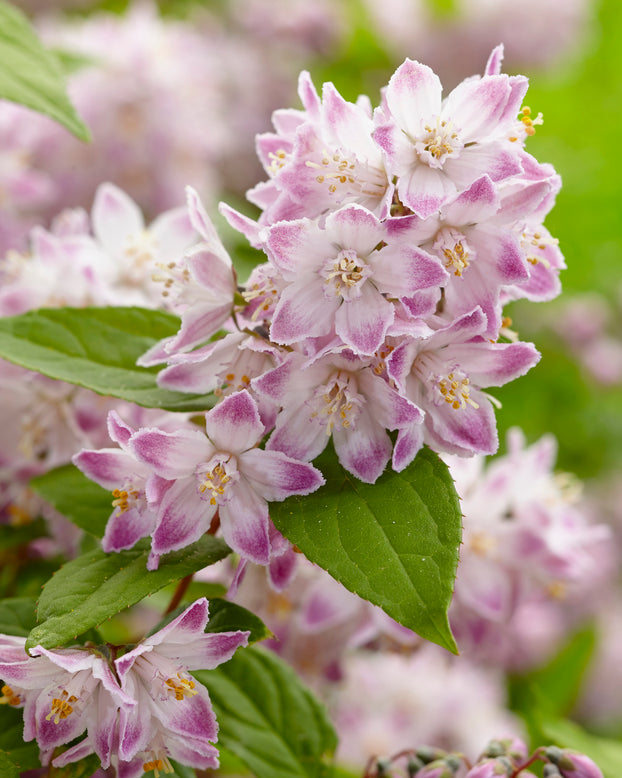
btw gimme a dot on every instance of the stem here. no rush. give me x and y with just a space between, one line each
215 525
178 593
533 758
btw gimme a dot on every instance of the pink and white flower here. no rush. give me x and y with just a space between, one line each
437 147
221 470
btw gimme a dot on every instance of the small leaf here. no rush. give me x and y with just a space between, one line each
394 543
97 348
17 616
225 616
79 499
31 75
96 586
11 536
267 718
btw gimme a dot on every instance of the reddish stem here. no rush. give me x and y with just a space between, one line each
178 593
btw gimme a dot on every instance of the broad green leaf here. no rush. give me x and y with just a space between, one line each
394 543
17 616
96 586
12 536
31 75
8 768
97 348
181 771
24 755
267 718
81 500
605 752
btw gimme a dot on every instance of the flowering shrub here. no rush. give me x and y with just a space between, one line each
324 416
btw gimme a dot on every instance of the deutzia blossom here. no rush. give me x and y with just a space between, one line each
221 470
173 713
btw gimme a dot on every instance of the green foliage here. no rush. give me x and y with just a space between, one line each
79 499
97 348
31 75
17 616
395 543
85 768
11 536
267 718
96 586
12 746
8 768
225 616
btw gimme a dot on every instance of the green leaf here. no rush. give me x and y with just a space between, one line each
11 536
8 768
17 616
96 586
394 543
555 687
24 755
605 752
97 348
79 499
225 616
267 718
31 75
85 768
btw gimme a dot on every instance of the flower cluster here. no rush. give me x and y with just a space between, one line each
138 709
503 758
527 544
393 240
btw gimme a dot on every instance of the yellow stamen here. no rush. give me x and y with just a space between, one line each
181 688
9 697
61 707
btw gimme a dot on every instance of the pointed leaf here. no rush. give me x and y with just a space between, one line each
8 768
96 586
394 543
225 616
97 348
267 718
31 75
79 499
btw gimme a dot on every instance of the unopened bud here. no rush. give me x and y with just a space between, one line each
413 766
428 754
446 767
572 764
501 767
512 747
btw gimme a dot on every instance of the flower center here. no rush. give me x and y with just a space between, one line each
277 161
453 249
336 403
440 140
455 389
534 243
9 697
214 481
345 175
126 498
345 274
174 277
180 687
156 761
61 707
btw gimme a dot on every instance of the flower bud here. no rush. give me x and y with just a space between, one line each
512 747
446 767
500 767
572 764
